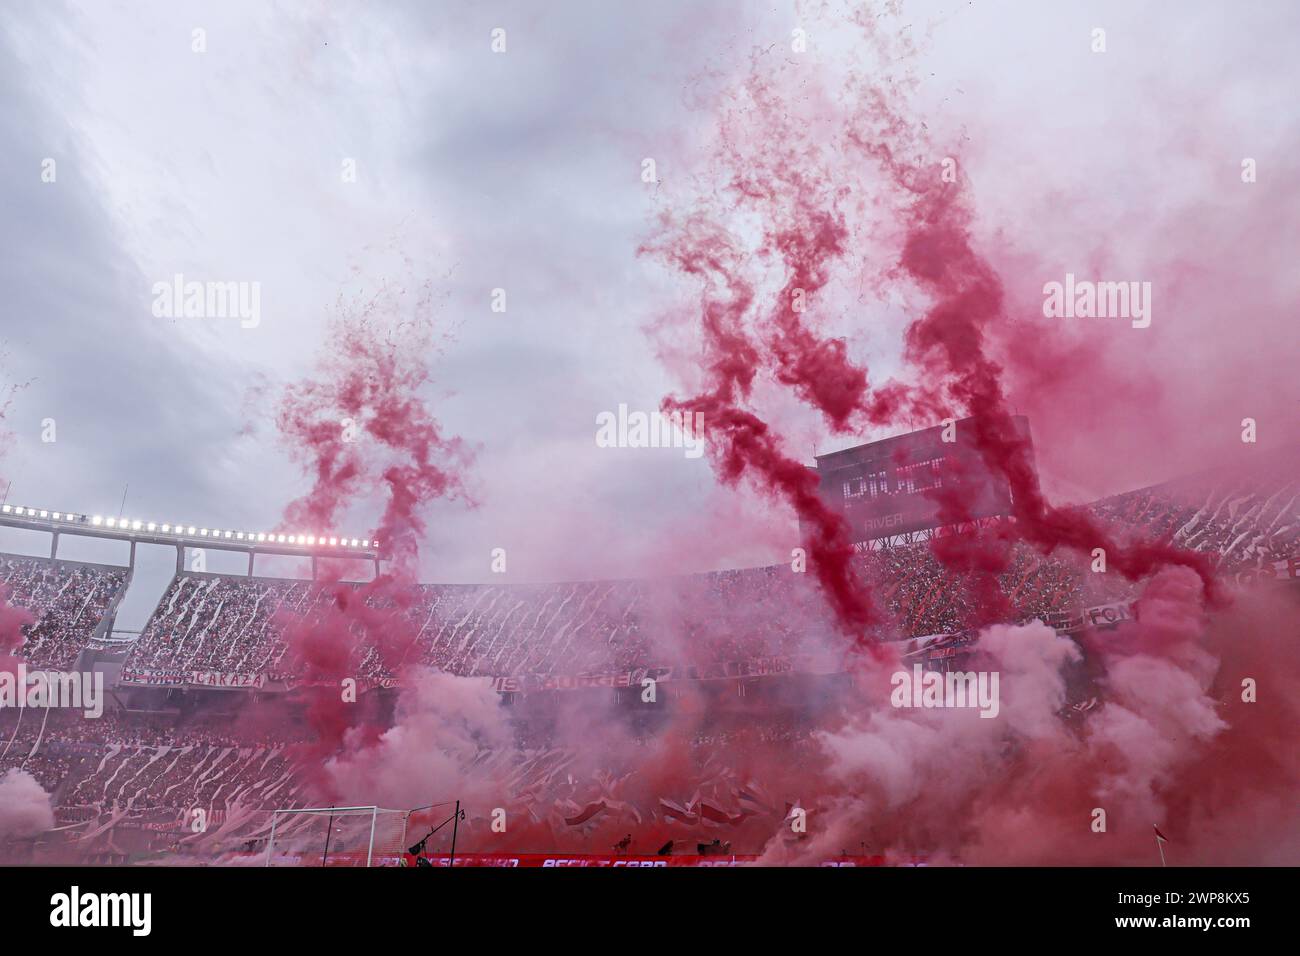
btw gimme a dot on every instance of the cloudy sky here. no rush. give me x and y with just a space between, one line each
220 155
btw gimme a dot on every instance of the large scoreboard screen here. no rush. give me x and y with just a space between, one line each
894 486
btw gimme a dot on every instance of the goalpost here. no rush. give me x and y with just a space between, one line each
337 836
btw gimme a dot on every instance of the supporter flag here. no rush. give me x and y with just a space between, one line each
709 812
673 810
753 798
1161 840
589 811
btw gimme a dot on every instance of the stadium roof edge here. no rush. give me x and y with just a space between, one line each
188 536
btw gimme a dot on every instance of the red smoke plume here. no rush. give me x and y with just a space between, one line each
12 620
787 220
785 184
362 421
801 174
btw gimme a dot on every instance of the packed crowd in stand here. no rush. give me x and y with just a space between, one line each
65 600
215 623
1242 522
154 771
235 625
230 624
151 769
150 772
130 772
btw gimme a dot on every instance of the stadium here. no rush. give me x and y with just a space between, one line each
204 754
852 444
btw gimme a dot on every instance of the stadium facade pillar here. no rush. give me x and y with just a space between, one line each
131 561
180 558
251 555
54 546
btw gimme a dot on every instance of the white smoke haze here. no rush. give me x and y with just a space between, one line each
910 769
947 785
1156 715
443 722
910 784
24 805
1158 709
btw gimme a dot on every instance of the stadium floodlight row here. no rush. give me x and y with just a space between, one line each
185 535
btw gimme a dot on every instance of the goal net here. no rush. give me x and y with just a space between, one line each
337 836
